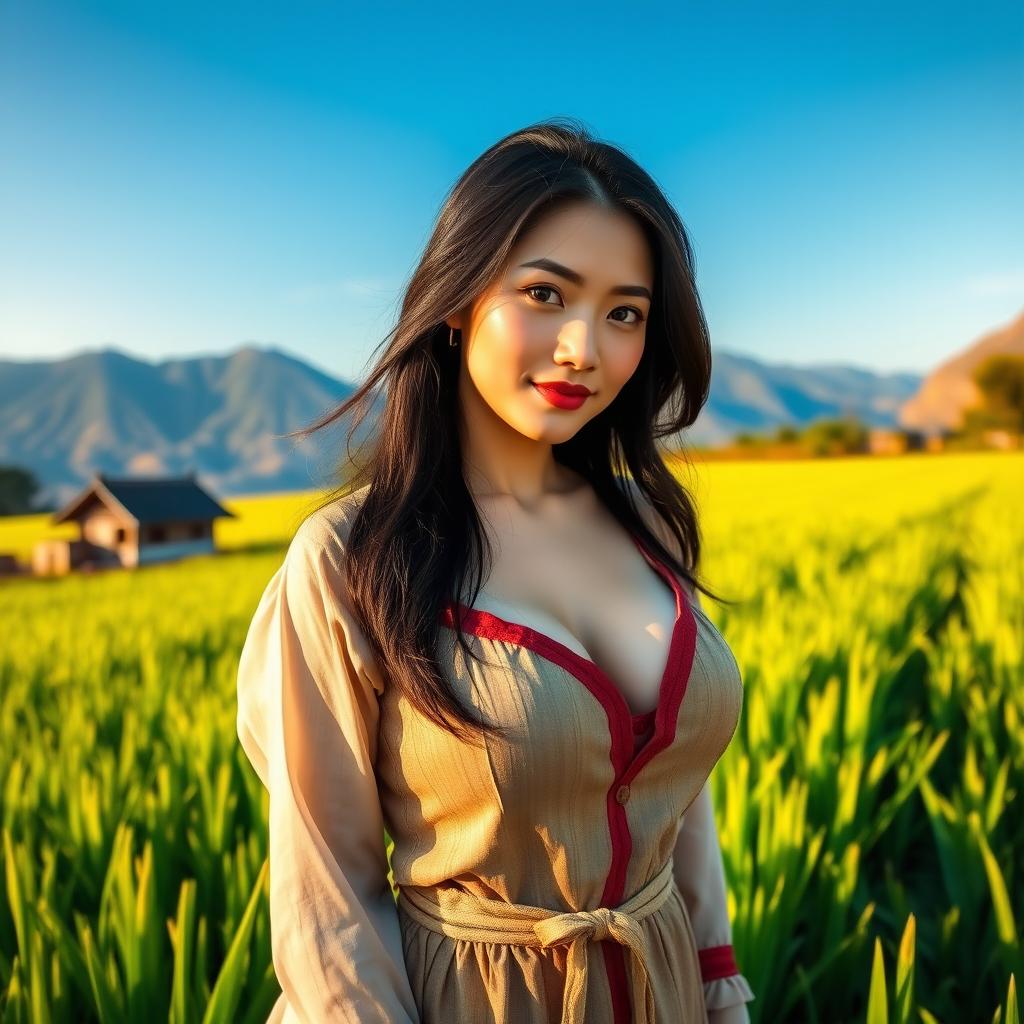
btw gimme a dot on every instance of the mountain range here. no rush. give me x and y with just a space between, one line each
109 411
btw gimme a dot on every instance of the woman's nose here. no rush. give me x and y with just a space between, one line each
578 340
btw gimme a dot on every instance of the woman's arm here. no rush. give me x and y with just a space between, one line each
700 875
307 720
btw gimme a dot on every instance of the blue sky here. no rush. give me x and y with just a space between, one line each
186 178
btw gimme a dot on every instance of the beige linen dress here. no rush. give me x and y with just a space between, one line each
569 873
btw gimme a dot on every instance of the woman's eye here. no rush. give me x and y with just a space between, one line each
539 288
638 316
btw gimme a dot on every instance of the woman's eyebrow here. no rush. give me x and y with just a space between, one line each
577 278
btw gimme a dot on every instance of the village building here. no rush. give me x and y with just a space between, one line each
128 522
894 441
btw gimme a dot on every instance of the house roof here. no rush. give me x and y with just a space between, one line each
147 499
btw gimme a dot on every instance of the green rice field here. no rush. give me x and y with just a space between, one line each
870 805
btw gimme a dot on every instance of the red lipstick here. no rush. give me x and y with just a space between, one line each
562 394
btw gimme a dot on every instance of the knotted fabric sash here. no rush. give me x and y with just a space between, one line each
462 915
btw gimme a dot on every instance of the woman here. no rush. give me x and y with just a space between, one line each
538 750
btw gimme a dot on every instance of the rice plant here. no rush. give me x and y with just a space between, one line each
868 806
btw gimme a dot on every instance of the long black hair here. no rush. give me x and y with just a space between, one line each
417 536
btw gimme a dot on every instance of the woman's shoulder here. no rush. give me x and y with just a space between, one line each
657 525
650 515
329 526
315 560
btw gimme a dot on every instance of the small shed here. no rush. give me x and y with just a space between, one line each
132 521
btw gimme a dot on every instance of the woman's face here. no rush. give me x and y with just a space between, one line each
579 315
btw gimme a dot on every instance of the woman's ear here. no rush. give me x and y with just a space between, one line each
461 318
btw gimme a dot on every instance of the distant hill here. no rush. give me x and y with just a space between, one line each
750 395
949 390
109 411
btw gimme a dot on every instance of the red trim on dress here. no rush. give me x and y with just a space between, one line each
717 962
624 728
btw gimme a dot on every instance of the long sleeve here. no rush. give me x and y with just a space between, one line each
307 719
699 872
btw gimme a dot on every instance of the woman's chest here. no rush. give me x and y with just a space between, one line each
594 591
566 745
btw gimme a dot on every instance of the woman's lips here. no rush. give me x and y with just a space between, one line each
557 399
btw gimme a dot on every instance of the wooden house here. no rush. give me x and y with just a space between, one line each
894 441
127 522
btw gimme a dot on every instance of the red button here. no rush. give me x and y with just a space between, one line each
622 794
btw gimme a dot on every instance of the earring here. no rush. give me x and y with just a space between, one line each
451 338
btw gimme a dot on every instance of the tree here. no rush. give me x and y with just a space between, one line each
1000 379
836 436
17 489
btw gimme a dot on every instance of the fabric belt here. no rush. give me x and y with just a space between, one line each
463 915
